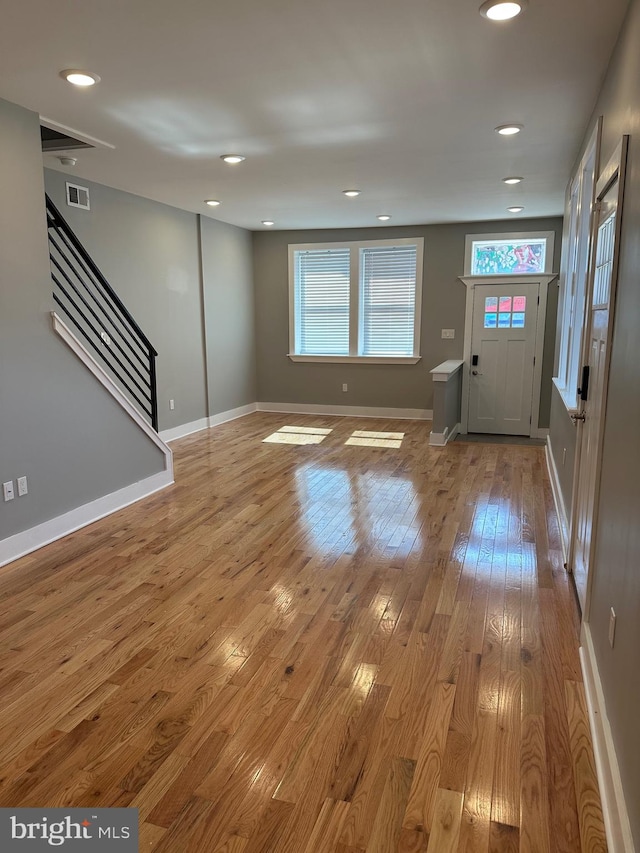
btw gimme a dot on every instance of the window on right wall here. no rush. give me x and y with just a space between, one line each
574 274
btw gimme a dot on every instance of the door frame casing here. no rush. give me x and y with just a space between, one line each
470 282
614 170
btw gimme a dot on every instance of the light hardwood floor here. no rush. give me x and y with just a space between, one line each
321 648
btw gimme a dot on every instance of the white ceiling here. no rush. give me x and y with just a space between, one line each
398 98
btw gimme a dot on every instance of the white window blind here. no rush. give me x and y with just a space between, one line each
322 301
388 300
355 301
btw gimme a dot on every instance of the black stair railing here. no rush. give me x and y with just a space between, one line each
97 312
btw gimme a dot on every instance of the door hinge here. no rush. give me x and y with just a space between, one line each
538 300
534 359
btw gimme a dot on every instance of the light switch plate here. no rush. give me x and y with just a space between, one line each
7 490
448 334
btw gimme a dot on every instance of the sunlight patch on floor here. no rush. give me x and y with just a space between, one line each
297 435
367 438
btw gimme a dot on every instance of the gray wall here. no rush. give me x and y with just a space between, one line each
443 306
149 254
616 581
227 277
58 426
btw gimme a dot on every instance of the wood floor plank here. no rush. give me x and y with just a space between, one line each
325 648
387 827
446 822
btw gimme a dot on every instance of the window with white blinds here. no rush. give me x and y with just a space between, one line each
388 306
356 301
323 289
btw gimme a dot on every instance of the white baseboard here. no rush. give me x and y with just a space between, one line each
184 429
346 411
43 534
439 439
614 807
232 414
206 423
558 500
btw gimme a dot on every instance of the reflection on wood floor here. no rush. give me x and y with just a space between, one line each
349 642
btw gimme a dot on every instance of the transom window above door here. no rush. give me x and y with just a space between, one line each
522 253
357 301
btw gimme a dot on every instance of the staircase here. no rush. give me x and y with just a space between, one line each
104 326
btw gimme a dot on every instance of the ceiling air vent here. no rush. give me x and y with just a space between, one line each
55 140
78 196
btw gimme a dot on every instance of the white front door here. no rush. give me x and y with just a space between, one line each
503 346
604 269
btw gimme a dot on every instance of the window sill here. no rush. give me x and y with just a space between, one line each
355 359
570 400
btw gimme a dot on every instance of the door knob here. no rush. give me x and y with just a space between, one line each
475 373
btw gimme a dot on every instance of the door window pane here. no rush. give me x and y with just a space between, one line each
505 303
490 321
504 320
517 320
491 303
519 303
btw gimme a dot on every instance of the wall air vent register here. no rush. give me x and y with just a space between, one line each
78 196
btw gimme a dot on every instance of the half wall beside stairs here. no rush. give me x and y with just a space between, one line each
42 534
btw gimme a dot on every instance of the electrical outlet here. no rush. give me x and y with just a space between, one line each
612 627
7 490
448 334
172 404
345 387
22 486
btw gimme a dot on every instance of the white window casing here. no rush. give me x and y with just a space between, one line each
356 301
574 273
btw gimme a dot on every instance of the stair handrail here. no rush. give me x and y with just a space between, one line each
120 312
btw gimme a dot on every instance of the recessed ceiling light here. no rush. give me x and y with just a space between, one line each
384 217
508 129
502 10
79 78
515 209
513 180
232 158
268 222
351 193
212 202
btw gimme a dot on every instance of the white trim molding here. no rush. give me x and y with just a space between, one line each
63 331
614 807
346 411
19 544
355 359
184 429
232 414
558 499
443 372
440 439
